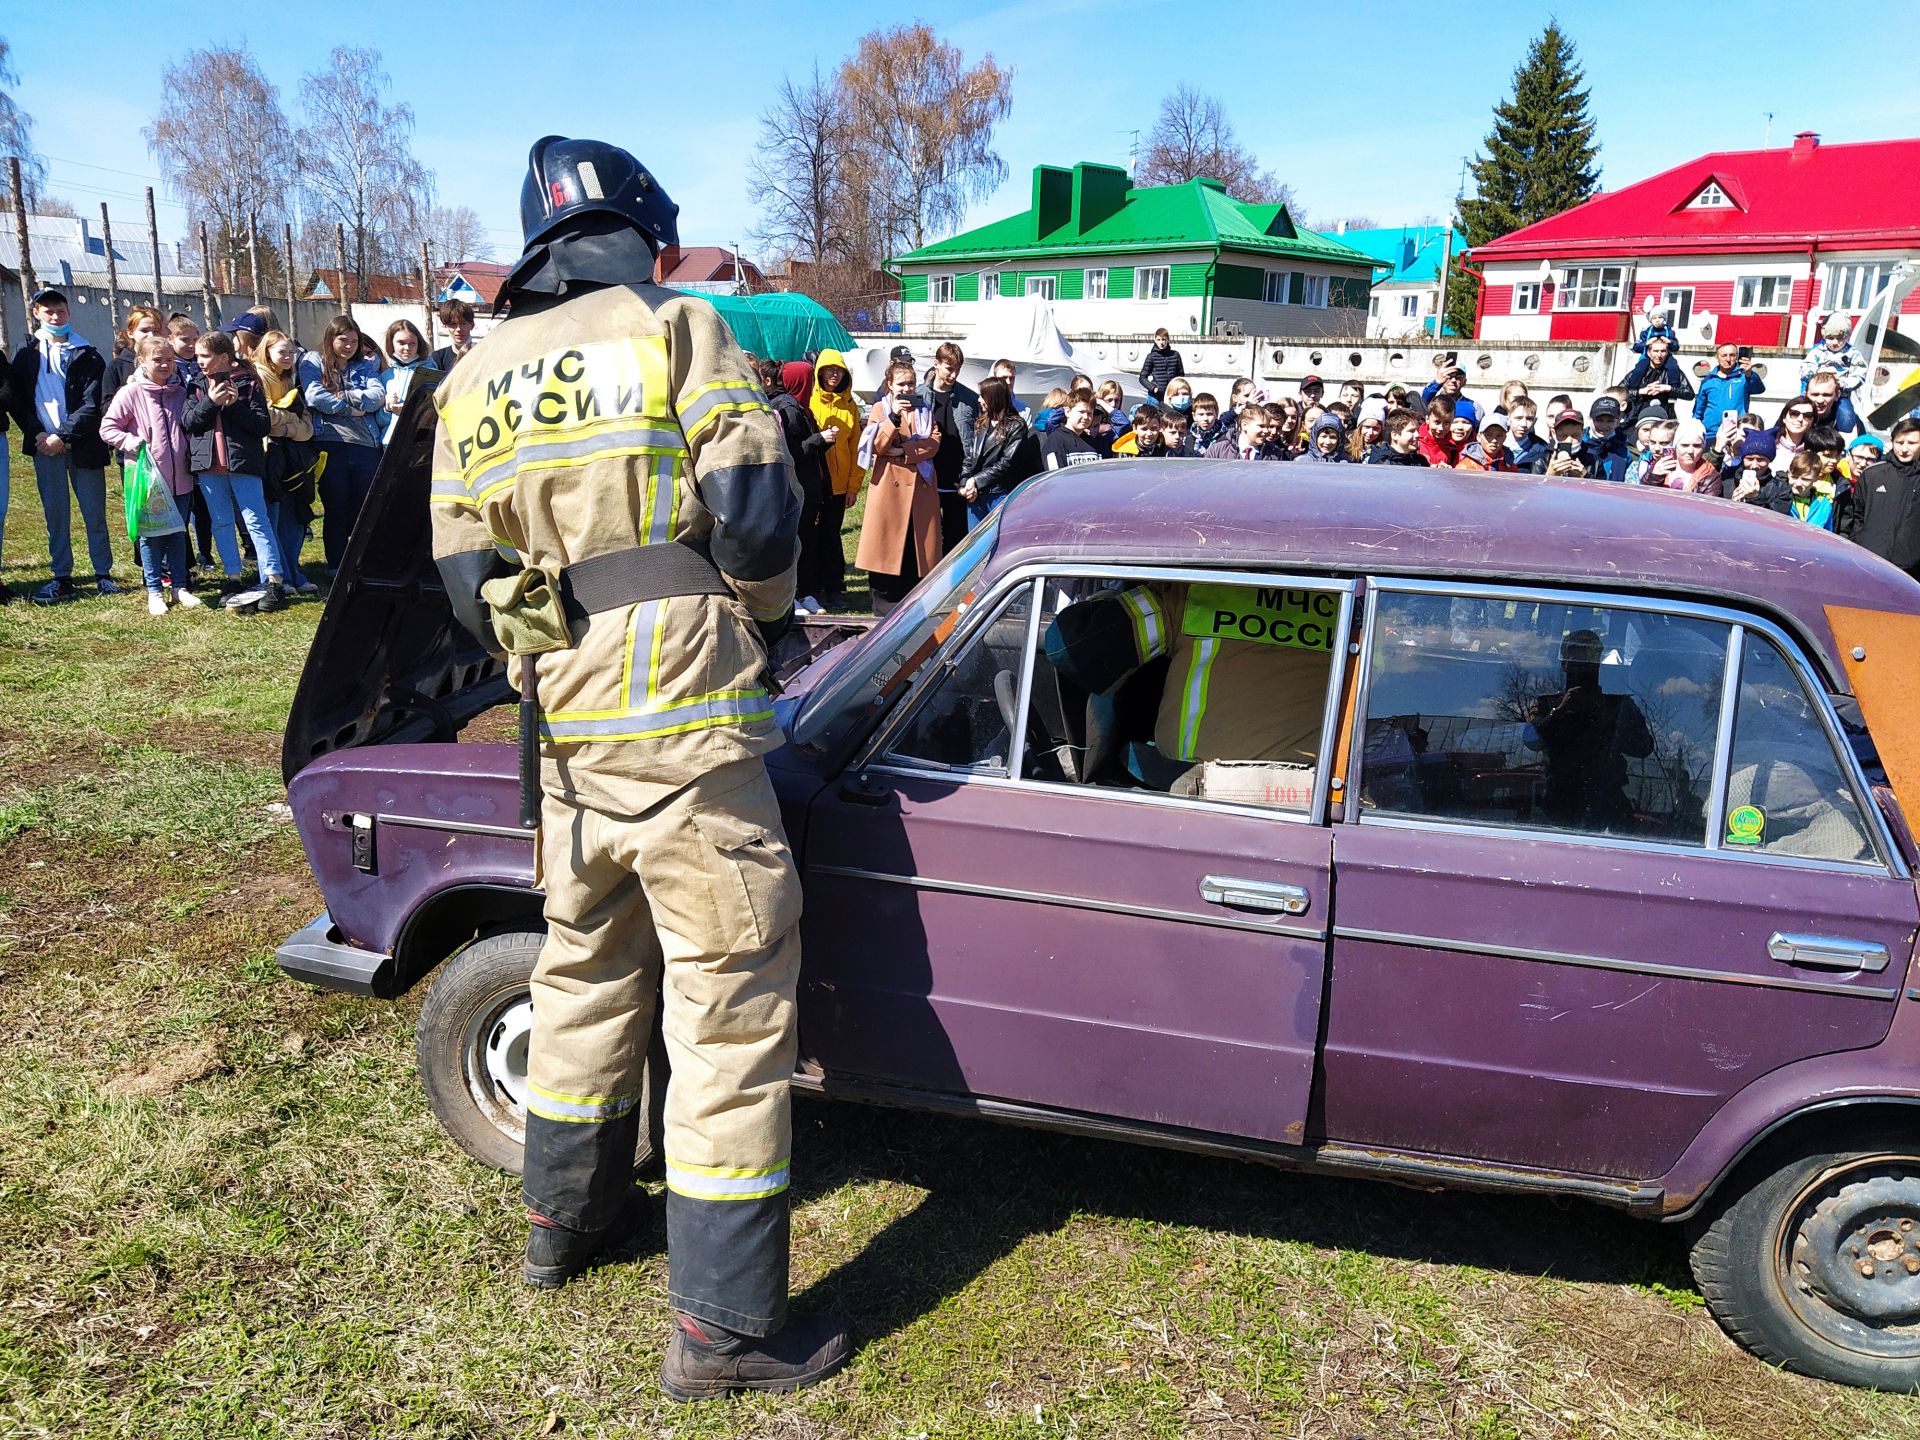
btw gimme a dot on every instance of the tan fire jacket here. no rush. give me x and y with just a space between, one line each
627 417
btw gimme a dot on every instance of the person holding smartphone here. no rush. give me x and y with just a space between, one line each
1729 388
900 532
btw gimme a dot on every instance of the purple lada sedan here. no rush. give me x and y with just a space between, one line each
1454 829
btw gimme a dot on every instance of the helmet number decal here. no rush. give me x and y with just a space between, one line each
557 192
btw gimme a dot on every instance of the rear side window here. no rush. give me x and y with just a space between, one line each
1541 714
1786 791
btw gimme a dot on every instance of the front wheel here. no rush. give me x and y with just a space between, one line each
1815 1264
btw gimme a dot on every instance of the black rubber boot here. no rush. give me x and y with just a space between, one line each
704 1362
556 1254
273 597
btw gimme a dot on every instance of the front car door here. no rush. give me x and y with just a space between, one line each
1007 898
1610 862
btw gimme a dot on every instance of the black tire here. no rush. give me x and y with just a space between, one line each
1778 1259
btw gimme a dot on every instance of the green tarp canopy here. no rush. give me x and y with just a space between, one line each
781 326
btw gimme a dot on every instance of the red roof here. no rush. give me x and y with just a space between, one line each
485 276
378 289
1844 197
679 265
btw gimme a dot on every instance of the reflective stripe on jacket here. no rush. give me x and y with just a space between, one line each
627 417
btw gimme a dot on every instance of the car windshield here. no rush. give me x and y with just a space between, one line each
896 647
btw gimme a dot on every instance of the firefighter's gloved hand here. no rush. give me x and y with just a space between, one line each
773 631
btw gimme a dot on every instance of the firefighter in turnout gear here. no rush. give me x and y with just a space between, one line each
607 472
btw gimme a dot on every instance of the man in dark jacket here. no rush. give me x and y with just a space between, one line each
808 447
58 387
1656 384
1162 364
1402 445
955 408
456 318
1886 501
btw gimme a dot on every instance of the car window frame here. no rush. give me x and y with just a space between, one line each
874 756
944 664
1889 862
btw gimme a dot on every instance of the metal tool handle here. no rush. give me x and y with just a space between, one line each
1255 895
529 746
1827 952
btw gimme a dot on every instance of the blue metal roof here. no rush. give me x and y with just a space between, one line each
1402 253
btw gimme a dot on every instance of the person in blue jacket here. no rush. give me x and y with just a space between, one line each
348 403
1606 447
1729 387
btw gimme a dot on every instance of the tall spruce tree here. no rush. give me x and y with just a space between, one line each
1540 159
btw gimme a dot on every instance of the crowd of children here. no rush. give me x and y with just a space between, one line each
240 429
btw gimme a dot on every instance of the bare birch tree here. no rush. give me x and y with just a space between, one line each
357 165
16 136
920 125
454 232
225 148
1192 139
801 175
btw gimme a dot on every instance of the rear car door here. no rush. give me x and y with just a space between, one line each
983 920
1609 863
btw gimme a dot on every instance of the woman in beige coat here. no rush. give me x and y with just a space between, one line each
900 534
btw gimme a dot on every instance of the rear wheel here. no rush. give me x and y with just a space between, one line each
1815 1263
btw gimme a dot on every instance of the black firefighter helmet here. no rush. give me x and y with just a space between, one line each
566 178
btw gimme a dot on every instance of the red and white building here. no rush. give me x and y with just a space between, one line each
1749 247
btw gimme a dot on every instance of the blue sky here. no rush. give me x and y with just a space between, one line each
1364 108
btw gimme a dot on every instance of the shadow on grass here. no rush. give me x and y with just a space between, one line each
991 1186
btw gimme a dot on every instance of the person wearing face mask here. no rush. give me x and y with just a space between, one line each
58 384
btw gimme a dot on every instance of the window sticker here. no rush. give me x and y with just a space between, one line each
1746 825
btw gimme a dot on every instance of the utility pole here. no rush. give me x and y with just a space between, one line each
426 297
253 254
153 239
208 301
293 314
113 268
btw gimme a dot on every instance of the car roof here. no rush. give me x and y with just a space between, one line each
1476 527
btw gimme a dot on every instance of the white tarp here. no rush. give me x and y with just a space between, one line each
1019 328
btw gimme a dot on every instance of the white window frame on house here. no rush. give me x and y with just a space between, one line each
1711 198
1526 297
1373 307
1594 287
1153 282
1042 285
1315 291
1410 306
1762 294
940 289
990 285
1853 285
1677 301
1273 288
1094 287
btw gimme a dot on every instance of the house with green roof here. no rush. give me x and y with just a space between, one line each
1406 276
1115 258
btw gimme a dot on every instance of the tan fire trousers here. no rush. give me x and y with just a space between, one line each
695 901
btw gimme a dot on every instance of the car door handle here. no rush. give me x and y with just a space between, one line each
1827 952
1255 895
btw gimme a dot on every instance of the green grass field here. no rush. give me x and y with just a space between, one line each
227 1211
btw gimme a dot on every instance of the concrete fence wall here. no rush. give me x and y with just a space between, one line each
89 310
1279 363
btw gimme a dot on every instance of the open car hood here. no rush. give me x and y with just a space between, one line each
389 662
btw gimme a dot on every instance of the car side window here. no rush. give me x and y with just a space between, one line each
1787 793
1213 691
964 719
1535 713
